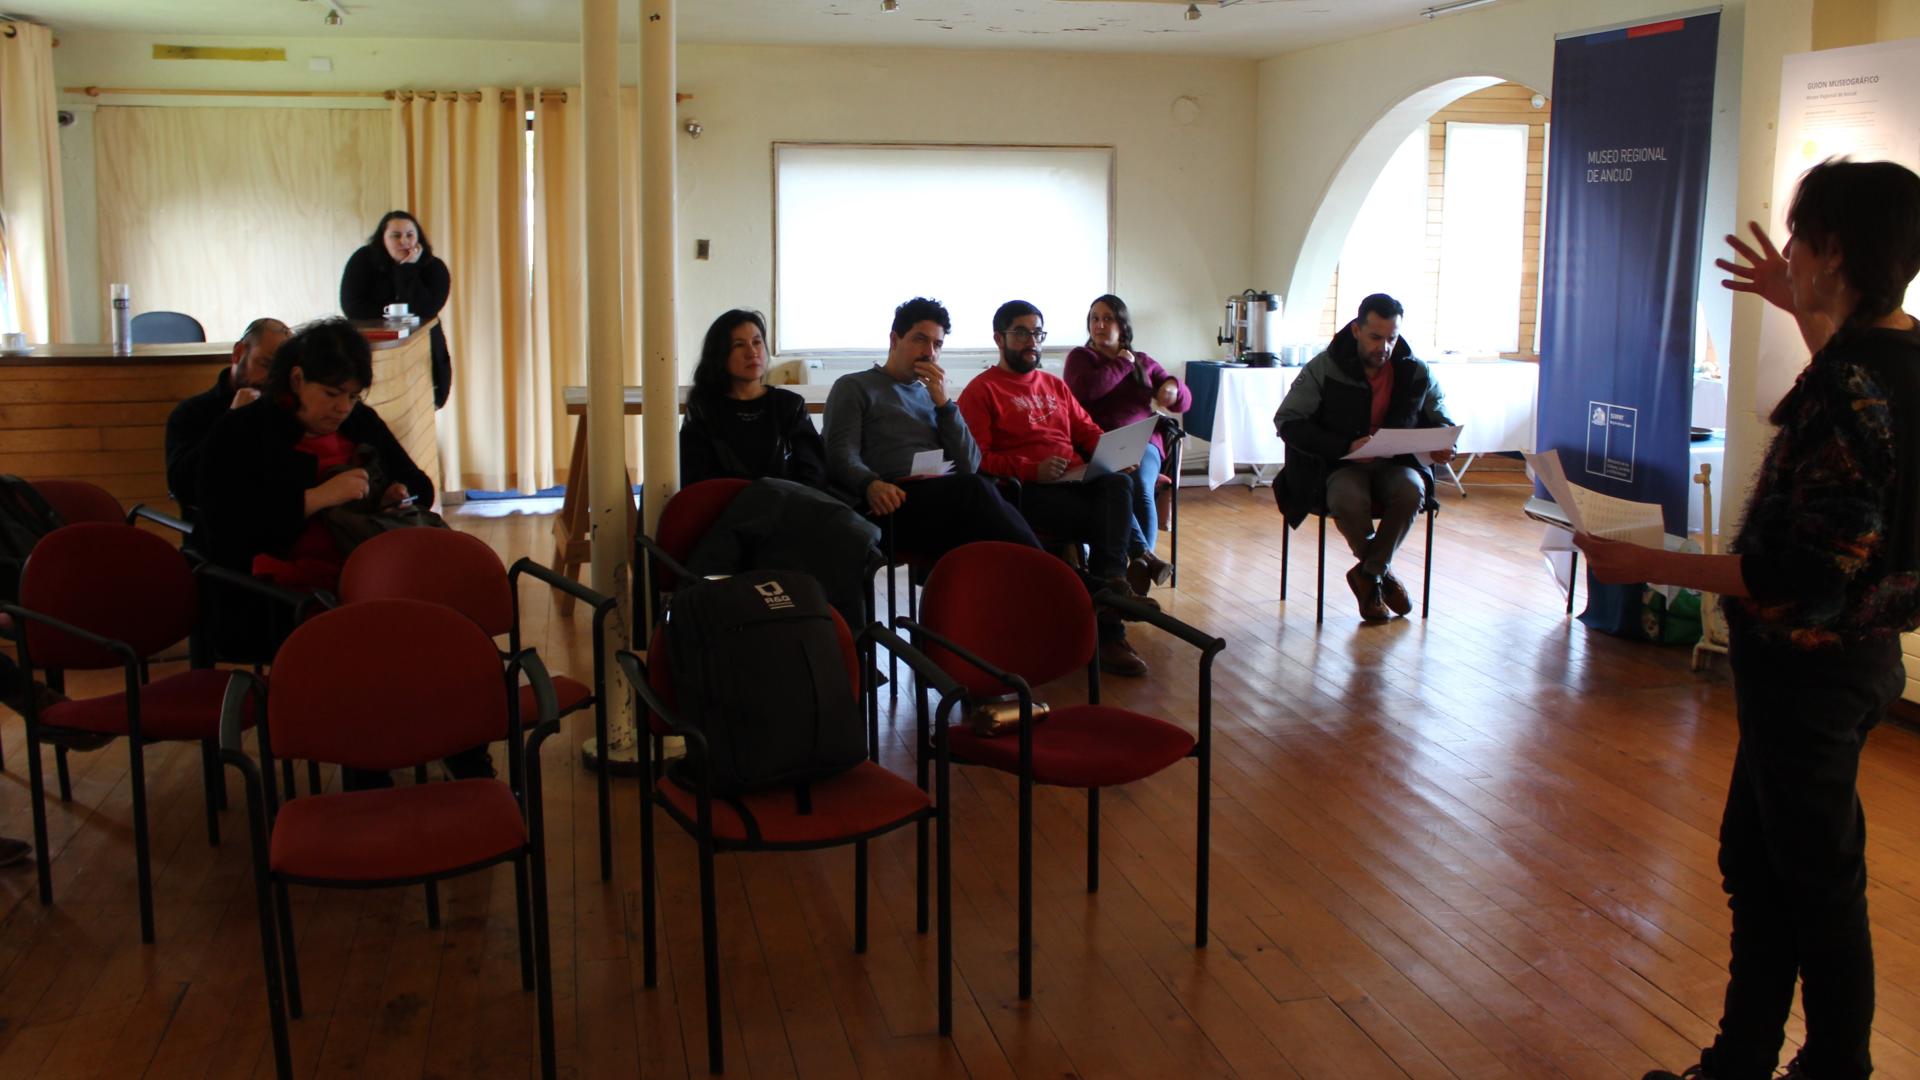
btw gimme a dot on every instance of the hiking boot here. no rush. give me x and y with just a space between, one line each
1394 593
1158 569
1118 658
1139 575
1119 587
1366 589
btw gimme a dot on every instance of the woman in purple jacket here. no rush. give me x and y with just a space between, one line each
1119 386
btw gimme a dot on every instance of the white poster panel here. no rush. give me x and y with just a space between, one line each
1863 102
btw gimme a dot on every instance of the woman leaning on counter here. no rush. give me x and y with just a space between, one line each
397 266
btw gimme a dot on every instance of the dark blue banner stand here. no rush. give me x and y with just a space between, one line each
1626 196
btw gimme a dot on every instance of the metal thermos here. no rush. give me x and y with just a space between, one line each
1252 327
120 305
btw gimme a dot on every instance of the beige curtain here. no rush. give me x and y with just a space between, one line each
32 240
559 278
461 170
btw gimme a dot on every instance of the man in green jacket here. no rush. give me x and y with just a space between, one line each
1366 379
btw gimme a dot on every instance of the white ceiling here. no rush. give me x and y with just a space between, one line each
1242 28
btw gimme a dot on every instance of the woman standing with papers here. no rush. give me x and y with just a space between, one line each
1824 577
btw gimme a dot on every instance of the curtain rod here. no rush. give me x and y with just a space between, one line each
390 95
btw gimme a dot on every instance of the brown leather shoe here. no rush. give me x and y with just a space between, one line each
1158 569
1121 587
1366 589
1139 575
1394 593
1118 658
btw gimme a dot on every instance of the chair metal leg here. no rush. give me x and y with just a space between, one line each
1173 532
1286 545
215 784
543 964
269 948
944 948
859 896
287 954
603 782
710 956
286 778
142 854
37 791
650 948
1026 887
433 910
60 771
313 778
1320 578
523 909
921 734
1093 839
1426 572
893 662
1573 578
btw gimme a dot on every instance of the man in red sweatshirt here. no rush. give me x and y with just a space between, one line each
1029 426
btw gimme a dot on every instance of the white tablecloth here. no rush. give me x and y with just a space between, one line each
1491 400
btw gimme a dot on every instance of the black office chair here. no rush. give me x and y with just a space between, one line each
166 328
1430 511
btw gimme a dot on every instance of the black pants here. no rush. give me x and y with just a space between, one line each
1095 512
1793 854
943 512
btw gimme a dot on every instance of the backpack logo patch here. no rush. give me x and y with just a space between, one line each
774 595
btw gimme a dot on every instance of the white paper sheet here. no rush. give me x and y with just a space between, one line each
930 463
1392 442
1601 515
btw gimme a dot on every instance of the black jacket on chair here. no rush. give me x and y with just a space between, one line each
1330 404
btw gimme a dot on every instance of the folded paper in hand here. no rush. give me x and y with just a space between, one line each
1392 442
930 463
1605 516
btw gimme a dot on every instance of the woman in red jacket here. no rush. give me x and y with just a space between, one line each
1119 386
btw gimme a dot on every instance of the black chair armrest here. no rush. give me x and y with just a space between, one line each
931 675
24 615
1159 620
526 565
239 687
292 598
142 511
636 672
528 662
654 549
1013 682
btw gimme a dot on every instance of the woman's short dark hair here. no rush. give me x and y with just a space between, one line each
1119 309
710 377
1871 209
329 352
380 231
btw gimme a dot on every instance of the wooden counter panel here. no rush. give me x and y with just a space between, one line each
402 393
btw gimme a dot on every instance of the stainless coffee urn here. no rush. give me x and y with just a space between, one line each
1252 327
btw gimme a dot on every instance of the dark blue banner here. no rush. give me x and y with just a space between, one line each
1626 195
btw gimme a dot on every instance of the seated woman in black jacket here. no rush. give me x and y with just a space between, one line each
737 425
397 266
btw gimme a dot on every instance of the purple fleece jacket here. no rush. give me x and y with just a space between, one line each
1112 396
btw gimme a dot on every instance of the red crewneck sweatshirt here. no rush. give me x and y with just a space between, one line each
1021 420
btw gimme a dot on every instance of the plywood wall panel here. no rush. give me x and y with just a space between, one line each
229 214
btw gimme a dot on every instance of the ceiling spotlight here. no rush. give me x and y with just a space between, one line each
1193 12
889 5
333 18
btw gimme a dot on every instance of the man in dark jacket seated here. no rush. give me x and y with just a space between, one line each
192 420
1366 379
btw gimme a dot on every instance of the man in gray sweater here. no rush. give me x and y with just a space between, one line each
878 419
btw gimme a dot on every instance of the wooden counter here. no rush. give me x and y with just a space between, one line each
84 413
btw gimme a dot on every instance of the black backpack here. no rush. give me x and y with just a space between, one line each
25 517
758 670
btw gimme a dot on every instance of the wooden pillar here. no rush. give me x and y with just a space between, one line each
659 372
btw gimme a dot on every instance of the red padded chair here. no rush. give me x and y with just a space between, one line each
460 571
689 513
77 500
383 685
95 596
1035 624
851 808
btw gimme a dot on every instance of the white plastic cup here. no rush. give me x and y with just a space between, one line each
120 304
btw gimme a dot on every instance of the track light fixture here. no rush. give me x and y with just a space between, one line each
333 18
1449 9
889 5
1193 12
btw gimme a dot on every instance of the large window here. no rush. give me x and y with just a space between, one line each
858 229
1482 238
1386 249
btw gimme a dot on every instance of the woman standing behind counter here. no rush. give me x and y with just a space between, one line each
397 266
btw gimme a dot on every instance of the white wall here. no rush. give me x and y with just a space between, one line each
1322 137
1183 192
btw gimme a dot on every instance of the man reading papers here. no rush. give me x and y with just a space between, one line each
1366 380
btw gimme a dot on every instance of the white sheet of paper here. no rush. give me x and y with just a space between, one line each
930 463
1601 515
1392 442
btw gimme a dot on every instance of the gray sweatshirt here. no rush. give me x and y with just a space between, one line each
876 424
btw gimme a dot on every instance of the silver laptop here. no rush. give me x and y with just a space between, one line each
1121 448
